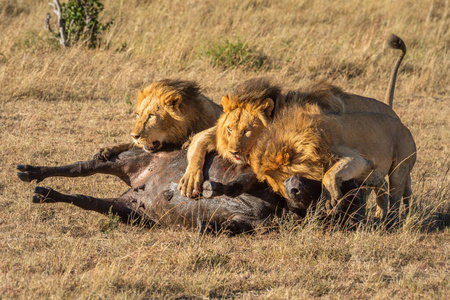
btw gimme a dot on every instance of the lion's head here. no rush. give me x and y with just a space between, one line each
246 113
169 111
297 142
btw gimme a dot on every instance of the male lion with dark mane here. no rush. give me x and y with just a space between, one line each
168 112
307 142
252 107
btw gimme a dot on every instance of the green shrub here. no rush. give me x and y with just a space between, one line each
81 22
110 223
230 55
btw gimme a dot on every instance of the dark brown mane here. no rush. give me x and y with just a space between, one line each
327 96
253 92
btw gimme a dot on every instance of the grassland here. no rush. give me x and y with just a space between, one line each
60 105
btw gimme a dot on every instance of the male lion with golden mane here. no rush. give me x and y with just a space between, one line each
168 112
254 104
333 149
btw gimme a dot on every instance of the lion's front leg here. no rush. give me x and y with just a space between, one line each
108 152
203 142
350 166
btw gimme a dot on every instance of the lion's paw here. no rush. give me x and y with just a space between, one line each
191 184
105 154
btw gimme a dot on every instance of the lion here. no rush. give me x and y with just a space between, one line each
167 112
306 141
254 104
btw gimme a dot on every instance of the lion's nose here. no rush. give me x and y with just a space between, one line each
135 136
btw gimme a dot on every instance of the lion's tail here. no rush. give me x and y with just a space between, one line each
396 43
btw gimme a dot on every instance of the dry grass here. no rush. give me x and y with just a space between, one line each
58 106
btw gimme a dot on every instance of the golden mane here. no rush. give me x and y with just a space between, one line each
167 89
302 147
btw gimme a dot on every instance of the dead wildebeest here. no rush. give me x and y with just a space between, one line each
154 199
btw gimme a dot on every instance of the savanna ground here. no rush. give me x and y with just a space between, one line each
59 105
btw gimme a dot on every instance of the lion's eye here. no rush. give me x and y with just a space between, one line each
151 116
137 115
229 130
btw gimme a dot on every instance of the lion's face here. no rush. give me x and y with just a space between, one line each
274 170
169 111
159 119
238 131
152 120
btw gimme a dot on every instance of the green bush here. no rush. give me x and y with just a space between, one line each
230 55
110 223
81 22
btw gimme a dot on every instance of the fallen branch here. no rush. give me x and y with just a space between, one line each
58 11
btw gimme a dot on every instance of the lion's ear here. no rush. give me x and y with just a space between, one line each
226 104
140 96
267 106
173 102
284 156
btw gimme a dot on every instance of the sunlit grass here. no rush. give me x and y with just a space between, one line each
59 105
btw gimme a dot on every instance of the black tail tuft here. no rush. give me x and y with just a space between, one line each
396 42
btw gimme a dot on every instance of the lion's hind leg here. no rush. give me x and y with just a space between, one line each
127 206
382 198
407 194
400 186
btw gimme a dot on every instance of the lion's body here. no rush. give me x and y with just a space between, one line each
336 148
257 102
168 112
332 99
248 111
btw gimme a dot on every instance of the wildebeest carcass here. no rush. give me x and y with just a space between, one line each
154 198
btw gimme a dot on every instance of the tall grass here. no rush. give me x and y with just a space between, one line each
59 105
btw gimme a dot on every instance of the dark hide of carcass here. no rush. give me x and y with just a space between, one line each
303 194
154 199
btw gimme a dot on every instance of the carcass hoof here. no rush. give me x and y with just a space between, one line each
24 176
212 189
42 190
28 173
23 168
42 194
38 199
